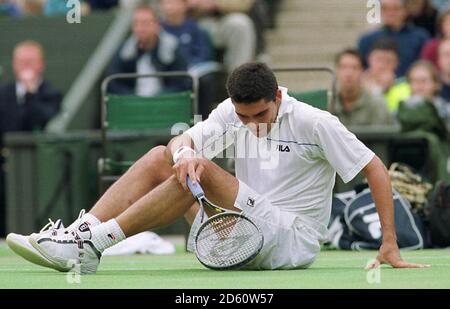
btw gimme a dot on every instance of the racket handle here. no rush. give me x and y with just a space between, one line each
196 189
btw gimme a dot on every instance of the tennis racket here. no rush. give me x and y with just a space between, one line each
226 240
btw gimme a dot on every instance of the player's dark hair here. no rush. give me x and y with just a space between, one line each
349 51
385 44
251 82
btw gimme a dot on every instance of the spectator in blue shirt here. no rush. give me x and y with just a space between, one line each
409 38
195 46
194 42
149 49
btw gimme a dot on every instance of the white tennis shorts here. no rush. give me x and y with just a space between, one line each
288 242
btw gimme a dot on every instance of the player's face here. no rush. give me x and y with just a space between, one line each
259 116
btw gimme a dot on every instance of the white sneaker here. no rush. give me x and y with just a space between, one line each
78 221
70 250
21 246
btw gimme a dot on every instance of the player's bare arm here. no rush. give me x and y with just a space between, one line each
181 155
380 186
180 151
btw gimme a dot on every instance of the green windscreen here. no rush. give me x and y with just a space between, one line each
316 98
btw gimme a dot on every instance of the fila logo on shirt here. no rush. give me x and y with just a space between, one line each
283 148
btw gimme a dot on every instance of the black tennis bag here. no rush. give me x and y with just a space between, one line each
355 224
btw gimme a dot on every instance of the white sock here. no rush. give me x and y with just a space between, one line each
91 220
106 235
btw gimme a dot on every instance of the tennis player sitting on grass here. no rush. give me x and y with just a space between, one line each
285 186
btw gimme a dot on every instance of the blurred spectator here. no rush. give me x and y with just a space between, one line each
31 7
148 50
430 50
409 38
380 79
424 80
230 28
29 102
425 89
9 8
260 17
444 63
425 115
382 62
422 14
356 106
273 7
194 42
195 46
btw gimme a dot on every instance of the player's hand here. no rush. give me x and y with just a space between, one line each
390 255
191 166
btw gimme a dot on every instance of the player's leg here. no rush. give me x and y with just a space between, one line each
159 207
169 201
289 242
149 171
189 215
144 175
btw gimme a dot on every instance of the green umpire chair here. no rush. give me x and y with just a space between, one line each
132 117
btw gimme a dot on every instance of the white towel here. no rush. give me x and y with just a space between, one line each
144 243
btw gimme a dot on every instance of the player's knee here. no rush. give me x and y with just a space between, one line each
155 158
207 164
209 168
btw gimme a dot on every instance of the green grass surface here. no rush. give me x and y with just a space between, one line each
333 269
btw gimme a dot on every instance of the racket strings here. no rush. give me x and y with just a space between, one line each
227 240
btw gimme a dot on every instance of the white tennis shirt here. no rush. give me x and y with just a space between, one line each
294 167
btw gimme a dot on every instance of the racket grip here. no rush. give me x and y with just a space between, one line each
196 189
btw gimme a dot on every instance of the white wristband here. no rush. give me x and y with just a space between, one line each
180 151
